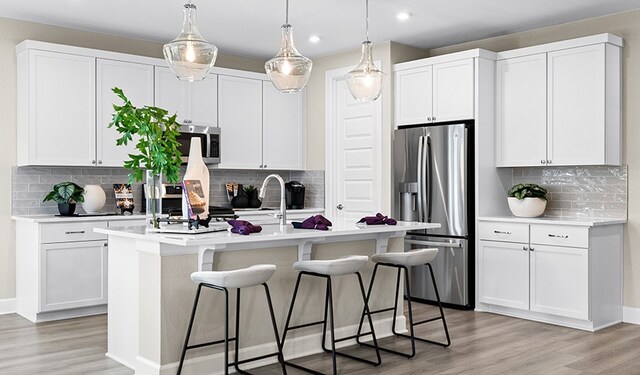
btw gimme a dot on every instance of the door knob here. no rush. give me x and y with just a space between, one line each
340 206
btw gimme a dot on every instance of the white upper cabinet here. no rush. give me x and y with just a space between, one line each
283 131
194 102
435 92
453 85
521 118
560 106
56 109
414 95
576 99
240 121
136 80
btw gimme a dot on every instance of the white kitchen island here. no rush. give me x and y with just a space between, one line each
150 292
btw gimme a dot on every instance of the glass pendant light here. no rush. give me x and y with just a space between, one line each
189 55
289 71
365 81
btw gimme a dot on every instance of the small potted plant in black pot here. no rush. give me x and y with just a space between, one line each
66 194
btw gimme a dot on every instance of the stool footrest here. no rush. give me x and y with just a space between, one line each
427 320
374 363
306 325
387 350
352 337
303 368
264 356
382 310
209 343
444 345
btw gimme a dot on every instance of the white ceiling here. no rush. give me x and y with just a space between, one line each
252 27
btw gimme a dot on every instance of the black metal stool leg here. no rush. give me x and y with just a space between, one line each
186 340
236 364
325 319
396 303
275 329
411 330
373 277
444 321
365 298
226 331
293 301
333 332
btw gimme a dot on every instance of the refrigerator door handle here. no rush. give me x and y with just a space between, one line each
420 179
429 179
455 245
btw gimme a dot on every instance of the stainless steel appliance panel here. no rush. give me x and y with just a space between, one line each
434 158
450 268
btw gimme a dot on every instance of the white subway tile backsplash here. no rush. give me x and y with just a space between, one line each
586 192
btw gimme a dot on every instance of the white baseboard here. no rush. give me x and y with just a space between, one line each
7 306
631 314
294 348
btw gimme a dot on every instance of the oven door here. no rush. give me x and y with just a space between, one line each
184 138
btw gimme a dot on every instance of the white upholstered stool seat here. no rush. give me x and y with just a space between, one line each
242 278
408 259
333 267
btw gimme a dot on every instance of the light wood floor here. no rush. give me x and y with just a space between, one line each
482 344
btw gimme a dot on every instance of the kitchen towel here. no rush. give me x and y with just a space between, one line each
378 220
314 222
244 227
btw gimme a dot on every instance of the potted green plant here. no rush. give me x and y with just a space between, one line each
157 147
66 194
527 200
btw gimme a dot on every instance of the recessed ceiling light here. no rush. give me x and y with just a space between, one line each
403 16
315 38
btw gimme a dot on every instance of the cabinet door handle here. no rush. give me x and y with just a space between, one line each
501 232
99 161
531 249
557 236
543 161
433 118
93 161
75 232
548 161
265 166
428 118
525 248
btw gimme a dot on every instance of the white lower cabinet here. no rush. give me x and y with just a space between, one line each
561 274
61 268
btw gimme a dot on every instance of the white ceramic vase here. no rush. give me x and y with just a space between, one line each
196 170
527 207
94 199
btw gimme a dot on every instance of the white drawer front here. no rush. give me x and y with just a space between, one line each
65 232
501 231
560 235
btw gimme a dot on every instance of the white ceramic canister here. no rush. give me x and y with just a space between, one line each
196 170
94 199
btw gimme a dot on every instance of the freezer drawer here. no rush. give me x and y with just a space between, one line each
451 269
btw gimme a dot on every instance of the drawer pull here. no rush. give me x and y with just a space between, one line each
557 236
501 232
75 232
525 248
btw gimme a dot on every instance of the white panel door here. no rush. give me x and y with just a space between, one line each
357 156
203 101
560 281
170 93
453 91
74 274
504 274
62 120
283 129
577 106
240 121
136 80
521 111
414 95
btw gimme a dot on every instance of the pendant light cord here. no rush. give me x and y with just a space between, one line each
286 20
366 19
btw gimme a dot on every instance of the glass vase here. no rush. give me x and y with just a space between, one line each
153 196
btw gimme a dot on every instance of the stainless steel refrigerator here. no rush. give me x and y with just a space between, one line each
433 178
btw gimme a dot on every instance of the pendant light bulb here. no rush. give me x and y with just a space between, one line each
365 81
189 55
289 71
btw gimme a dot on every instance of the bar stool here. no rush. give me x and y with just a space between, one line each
223 281
326 269
402 261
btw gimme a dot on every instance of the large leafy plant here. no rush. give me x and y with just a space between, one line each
65 192
157 143
522 191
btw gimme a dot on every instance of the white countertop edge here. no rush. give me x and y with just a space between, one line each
58 219
585 222
269 233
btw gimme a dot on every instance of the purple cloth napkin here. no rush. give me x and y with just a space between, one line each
314 222
379 219
244 227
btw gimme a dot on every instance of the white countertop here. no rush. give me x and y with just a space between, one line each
270 232
585 222
136 216
61 219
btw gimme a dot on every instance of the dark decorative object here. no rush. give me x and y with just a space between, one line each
252 193
66 209
240 201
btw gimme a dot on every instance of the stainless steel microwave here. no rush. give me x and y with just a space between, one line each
209 140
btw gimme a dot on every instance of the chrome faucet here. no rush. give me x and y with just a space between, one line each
283 202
